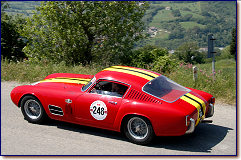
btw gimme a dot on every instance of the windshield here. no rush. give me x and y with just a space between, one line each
86 86
165 89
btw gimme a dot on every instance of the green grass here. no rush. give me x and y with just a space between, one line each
161 16
162 35
189 25
27 72
223 87
194 15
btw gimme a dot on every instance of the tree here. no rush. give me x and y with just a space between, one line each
11 42
84 31
233 44
176 13
188 52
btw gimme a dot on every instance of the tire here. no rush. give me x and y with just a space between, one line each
33 110
138 130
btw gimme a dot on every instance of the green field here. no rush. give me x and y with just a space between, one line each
189 25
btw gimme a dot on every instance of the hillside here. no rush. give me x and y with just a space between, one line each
22 7
171 23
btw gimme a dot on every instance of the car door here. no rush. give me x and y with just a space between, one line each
100 104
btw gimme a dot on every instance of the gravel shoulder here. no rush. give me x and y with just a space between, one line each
18 137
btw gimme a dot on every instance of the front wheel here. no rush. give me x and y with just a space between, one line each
139 130
33 110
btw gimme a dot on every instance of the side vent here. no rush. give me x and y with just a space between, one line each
56 110
134 94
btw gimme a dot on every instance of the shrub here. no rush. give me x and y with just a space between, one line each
164 64
146 56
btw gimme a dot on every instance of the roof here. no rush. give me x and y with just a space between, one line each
130 75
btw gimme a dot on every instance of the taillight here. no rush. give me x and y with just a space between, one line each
188 120
212 100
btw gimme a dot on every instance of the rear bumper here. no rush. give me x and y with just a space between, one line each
210 111
191 126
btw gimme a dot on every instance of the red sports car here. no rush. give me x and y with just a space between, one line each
138 102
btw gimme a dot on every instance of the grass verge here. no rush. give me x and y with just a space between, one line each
28 72
222 87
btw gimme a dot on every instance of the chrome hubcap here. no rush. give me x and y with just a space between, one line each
32 109
137 128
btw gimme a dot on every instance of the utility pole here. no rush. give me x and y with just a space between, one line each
211 52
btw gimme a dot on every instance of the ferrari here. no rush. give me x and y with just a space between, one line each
140 103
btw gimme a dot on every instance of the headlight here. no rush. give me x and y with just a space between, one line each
187 120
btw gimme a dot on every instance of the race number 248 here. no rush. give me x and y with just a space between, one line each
98 110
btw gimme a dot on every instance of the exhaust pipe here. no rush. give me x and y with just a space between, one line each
207 121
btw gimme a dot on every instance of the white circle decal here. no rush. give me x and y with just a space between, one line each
98 110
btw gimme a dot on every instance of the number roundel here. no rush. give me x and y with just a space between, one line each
98 110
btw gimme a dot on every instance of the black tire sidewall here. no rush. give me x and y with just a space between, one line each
144 141
42 116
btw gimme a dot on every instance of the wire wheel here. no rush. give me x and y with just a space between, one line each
137 128
32 109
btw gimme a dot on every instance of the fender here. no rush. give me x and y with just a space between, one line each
160 117
205 95
34 93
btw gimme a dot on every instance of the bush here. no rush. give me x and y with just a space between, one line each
188 53
164 64
176 13
145 57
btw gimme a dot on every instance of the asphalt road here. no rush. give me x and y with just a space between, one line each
18 137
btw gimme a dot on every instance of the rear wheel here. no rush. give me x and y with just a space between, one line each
33 110
139 130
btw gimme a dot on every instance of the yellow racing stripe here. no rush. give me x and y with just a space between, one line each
195 104
129 72
200 101
67 80
137 72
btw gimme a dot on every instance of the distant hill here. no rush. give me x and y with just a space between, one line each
178 21
22 7
171 23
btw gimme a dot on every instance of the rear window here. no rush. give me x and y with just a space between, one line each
165 89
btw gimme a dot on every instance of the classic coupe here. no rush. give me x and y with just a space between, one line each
140 103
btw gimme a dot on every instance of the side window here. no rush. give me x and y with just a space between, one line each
109 88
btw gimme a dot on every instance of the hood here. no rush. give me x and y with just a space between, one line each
68 78
64 80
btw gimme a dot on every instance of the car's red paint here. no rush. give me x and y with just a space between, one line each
167 119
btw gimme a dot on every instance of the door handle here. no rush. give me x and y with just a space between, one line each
112 102
68 101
